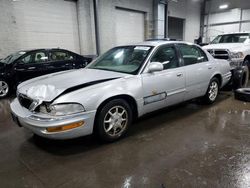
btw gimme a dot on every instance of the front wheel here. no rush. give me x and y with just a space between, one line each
240 77
212 91
4 88
246 63
113 120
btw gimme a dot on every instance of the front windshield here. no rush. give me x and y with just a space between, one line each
12 57
231 38
125 59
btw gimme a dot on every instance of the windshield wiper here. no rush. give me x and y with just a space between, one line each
108 70
99 68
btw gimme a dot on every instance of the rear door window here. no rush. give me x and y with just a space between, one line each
35 57
167 56
60 56
192 54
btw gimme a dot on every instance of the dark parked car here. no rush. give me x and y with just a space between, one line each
24 65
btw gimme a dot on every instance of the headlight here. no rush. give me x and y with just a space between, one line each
62 109
237 55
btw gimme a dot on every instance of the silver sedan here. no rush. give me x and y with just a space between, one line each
123 84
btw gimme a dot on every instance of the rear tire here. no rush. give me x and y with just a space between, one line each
212 91
113 120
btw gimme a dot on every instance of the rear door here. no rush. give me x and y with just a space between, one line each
31 65
198 70
59 60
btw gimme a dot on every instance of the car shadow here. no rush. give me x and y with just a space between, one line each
66 147
162 117
151 121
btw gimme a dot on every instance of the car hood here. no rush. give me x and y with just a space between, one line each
47 88
229 46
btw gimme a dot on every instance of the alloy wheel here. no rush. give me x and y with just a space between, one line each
213 90
4 88
115 121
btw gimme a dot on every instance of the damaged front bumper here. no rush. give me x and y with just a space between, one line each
40 123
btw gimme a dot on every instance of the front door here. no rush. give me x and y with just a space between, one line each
165 87
31 65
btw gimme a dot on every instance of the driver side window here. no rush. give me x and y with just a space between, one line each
167 56
27 59
36 57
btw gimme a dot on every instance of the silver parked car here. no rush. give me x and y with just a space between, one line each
124 83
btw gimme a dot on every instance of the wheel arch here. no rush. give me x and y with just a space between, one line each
219 77
247 58
128 98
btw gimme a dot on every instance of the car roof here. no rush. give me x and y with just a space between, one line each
31 50
161 42
231 33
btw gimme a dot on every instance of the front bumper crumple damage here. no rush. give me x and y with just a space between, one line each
39 123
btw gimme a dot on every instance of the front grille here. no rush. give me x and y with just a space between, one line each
219 54
24 101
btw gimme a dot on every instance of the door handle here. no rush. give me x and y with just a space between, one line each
210 67
31 68
179 74
18 69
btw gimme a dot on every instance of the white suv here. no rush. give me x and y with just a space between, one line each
234 47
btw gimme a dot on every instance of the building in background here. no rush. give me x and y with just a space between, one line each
29 24
224 17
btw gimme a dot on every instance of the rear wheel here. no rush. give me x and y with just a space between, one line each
212 91
113 120
4 88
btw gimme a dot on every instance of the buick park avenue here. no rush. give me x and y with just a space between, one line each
122 84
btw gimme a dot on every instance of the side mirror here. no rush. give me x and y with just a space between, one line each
155 67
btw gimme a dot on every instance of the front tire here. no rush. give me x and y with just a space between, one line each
240 78
212 91
4 88
113 120
247 64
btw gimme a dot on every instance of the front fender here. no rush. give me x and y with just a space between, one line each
92 97
130 87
